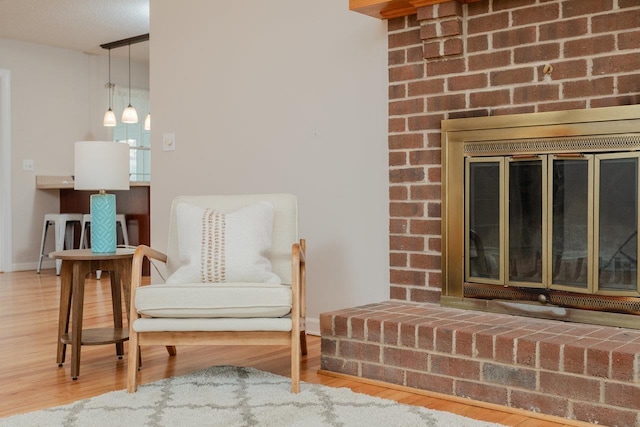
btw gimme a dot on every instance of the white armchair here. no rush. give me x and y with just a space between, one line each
236 275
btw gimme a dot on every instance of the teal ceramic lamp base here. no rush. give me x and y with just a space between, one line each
103 223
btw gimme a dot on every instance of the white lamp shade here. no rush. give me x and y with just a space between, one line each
147 122
129 115
101 165
109 118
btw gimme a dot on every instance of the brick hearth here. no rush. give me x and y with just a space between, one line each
584 372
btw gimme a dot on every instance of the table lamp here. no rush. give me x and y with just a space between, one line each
102 166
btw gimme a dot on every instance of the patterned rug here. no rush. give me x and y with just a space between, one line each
231 396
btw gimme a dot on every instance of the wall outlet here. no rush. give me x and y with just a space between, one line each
27 165
168 141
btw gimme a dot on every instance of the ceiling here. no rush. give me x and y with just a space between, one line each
81 25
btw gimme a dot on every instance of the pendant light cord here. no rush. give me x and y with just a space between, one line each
110 95
129 74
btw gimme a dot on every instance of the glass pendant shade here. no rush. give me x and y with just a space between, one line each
129 115
109 118
147 122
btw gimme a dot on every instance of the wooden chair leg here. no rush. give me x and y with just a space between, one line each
171 349
303 342
295 364
133 364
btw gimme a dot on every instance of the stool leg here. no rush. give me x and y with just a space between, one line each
45 227
60 228
69 235
125 235
83 236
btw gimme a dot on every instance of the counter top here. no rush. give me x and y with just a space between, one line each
55 182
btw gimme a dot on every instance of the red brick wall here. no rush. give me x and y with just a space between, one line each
487 58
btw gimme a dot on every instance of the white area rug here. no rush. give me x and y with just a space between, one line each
231 396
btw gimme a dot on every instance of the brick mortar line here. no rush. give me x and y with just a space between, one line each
511 50
603 382
508 387
523 337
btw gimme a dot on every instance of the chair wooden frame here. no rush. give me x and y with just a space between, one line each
296 338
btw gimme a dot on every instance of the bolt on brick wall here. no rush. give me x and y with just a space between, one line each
454 60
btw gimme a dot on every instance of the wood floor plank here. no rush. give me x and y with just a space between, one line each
32 380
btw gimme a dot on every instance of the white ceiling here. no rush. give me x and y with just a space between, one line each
81 25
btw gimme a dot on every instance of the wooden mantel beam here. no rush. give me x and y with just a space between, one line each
386 9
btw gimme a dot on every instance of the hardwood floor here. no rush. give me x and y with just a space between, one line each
32 380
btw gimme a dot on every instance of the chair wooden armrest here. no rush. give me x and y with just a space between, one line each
141 252
136 265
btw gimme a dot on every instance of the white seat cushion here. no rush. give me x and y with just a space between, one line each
238 300
278 324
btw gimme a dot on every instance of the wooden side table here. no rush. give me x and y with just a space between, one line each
76 265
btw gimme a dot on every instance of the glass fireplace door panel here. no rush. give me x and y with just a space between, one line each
484 220
617 223
526 216
570 216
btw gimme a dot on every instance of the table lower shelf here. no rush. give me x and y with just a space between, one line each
99 336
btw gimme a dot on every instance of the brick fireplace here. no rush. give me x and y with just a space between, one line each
462 59
540 215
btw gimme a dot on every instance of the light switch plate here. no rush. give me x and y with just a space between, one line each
27 165
168 141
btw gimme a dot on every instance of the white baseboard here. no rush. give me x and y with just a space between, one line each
25 266
313 326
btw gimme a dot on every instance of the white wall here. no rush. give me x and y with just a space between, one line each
279 96
57 97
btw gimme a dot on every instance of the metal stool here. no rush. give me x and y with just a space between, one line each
64 225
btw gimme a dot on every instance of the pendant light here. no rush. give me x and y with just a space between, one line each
129 115
147 122
109 117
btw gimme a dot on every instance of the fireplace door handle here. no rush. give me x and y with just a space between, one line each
524 156
569 155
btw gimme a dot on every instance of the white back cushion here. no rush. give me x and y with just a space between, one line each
217 247
284 231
